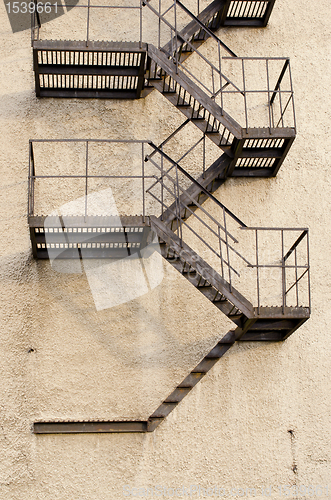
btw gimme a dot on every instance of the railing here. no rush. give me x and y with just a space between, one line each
213 232
87 156
39 19
252 260
256 92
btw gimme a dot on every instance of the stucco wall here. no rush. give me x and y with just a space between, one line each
61 359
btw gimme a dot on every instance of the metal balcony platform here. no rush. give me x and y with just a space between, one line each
247 13
91 237
261 152
106 70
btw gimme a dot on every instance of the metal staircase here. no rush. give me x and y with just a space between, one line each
253 137
129 70
200 245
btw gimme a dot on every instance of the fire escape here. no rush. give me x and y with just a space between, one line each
243 106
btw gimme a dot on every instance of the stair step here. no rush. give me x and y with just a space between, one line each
205 365
153 423
164 409
192 379
212 294
219 350
178 394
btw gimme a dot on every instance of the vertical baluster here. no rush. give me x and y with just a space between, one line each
179 219
220 66
143 178
257 271
227 249
308 264
162 185
269 105
176 38
221 256
86 174
296 274
141 25
245 97
283 275
88 23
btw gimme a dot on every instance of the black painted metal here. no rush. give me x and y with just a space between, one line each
131 70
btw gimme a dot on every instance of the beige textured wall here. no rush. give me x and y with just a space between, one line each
233 429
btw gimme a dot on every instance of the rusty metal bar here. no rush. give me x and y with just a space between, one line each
141 25
221 255
221 84
296 276
143 178
244 89
293 107
178 205
176 34
159 29
257 271
283 274
280 107
121 141
204 156
86 176
162 187
308 263
88 23
269 104
227 249
275 228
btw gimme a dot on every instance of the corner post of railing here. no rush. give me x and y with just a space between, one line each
176 36
141 25
296 275
281 106
227 248
143 178
257 270
31 180
35 18
86 175
33 24
269 101
308 264
244 89
88 22
162 181
283 274
292 95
